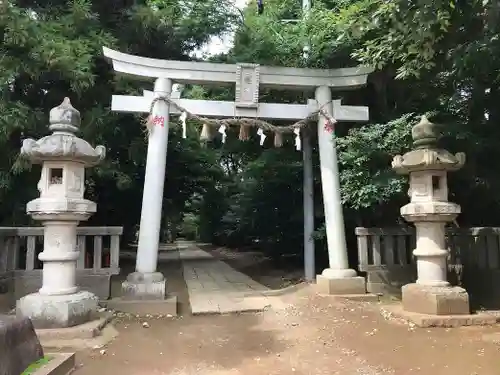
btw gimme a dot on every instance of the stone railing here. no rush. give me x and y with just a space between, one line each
385 254
20 269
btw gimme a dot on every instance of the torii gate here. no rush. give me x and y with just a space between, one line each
146 282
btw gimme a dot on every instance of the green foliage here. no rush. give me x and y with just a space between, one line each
266 39
264 206
439 57
52 49
365 156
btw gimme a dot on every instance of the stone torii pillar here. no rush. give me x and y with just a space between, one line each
338 278
248 78
145 282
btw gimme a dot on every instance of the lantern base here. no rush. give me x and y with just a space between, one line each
58 311
435 300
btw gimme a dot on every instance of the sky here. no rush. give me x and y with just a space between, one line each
222 44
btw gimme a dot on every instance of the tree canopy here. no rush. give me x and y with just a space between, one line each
52 49
430 57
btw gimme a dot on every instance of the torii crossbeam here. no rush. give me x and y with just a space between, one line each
248 78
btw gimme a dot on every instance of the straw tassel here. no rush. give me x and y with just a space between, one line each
148 123
278 139
206 133
244 133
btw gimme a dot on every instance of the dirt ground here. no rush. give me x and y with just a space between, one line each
313 336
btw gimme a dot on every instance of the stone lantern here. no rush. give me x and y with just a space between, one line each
60 208
430 211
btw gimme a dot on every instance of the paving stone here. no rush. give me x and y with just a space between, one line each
211 288
195 288
220 279
240 287
190 272
215 287
237 278
203 305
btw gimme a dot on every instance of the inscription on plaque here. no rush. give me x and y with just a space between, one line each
247 85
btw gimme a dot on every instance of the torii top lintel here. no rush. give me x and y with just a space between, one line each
264 76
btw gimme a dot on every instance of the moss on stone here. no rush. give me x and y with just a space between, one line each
36 365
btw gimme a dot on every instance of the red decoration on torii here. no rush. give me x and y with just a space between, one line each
158 120
329 126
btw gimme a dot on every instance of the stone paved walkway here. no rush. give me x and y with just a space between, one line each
216 288
213 286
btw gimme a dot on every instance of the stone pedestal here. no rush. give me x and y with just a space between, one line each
144 286
58 311
340 282
60 207
353 285
434 300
